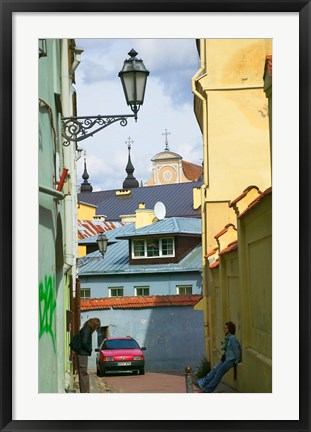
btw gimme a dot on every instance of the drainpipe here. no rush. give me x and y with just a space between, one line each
73 154
206 300
53 192
69 152
67 111
68 67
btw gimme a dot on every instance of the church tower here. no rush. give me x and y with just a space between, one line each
169 167
130 182
85 186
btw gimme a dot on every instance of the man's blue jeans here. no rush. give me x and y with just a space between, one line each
209 383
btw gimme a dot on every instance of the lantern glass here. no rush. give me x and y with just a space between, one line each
134 78
102 243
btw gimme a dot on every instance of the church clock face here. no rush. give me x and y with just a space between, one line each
167 175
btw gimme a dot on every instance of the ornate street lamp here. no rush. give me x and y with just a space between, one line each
134 78
102 243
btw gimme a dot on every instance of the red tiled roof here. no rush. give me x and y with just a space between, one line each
192 171
139 302
256 201
87 228
231 247
224 230
243 195
215 264
210 253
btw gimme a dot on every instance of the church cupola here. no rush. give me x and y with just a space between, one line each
130 182
85 186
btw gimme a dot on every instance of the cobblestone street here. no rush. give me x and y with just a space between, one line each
151 382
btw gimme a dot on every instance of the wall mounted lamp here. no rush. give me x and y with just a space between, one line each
102 243
134 78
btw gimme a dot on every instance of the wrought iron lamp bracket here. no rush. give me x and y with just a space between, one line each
81 262
76 129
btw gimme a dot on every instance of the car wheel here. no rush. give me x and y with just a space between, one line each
142 371
135 372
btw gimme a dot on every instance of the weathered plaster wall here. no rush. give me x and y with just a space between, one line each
173 336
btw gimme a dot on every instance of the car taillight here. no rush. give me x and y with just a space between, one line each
138 358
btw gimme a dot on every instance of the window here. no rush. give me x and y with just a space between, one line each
184 289
139 248
116 292
85 292
167 247
153 248
142 291
116 344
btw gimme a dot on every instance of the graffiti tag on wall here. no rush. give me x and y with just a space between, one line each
47 306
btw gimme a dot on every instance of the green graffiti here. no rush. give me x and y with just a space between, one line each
47 306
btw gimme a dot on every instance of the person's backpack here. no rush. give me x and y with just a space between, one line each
75 344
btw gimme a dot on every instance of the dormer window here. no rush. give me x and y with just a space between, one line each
153 248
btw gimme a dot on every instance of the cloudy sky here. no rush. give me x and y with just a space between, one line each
168 106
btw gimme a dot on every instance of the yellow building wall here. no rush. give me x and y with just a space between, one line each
196 198
238 149
216 314
231 305
236 61
255 249
235 124
81 251
144 217
240 290
238 142
225 305
232 110
218 215
86 212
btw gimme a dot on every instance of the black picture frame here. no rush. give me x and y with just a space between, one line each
8 7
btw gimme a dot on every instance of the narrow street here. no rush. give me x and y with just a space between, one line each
151 382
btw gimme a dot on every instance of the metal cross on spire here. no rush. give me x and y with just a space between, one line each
129 143
166 141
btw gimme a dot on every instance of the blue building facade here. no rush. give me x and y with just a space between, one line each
173 335
149 284
152 296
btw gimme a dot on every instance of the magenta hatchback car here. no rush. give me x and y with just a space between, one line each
120 354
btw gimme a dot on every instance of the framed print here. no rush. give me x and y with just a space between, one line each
46 293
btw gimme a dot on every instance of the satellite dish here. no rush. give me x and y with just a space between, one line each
160 210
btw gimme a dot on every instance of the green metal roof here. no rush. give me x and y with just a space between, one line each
116 259
173 225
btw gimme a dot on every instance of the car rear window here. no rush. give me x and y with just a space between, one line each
120 344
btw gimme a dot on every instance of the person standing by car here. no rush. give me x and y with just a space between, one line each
231 357
84 351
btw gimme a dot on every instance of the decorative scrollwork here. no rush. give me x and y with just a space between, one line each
79 128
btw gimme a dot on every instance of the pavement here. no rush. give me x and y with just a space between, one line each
151 382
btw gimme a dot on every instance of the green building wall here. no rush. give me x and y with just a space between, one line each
53 287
